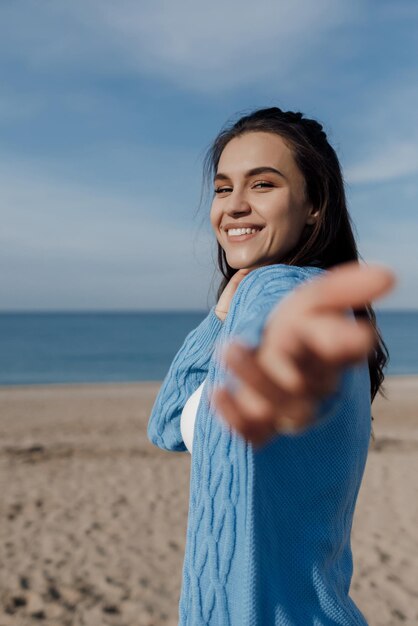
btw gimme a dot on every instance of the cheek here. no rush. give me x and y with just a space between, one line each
277 210
214 215
286 222
288 211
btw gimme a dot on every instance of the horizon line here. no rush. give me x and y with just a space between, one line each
136 311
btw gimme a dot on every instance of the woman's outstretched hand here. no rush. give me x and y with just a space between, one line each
306 342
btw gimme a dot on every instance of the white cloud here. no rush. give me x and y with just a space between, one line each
388 162
383 129
218 45
207 47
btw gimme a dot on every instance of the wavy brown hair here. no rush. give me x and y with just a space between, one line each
330 241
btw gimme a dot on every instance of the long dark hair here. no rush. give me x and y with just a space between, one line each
330 241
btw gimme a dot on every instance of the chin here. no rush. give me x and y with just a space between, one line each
242 264
239 265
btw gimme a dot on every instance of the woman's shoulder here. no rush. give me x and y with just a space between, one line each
259 292
286 272
277 277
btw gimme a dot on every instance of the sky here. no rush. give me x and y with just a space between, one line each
107 109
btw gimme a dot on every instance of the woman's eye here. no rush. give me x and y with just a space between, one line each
263 184
221 189
225 189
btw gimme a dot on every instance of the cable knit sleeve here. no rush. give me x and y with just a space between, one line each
262 299
270 285
186 373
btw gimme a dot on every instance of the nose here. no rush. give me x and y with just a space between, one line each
237 205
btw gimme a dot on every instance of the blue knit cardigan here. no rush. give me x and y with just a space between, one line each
268 534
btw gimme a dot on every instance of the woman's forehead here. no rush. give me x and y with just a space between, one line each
256 149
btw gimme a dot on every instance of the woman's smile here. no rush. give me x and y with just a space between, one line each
237 236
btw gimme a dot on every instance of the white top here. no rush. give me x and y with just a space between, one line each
188 417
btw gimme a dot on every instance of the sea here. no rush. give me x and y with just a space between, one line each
98 347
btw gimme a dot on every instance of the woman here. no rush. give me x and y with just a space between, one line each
272 391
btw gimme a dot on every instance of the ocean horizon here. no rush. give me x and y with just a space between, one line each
48 347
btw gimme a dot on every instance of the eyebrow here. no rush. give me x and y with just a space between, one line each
256 170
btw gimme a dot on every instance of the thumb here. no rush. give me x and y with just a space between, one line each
232 285
238 276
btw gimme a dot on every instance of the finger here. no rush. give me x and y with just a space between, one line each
302 375
245 364
262 399
268 387
288 425
283 366
318 378
237 278
292 360
350 285
229 291
251 407
335 340
291 418
233 412
309 357
295 415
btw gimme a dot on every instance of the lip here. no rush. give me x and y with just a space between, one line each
241 225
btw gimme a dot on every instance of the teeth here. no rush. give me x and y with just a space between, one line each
235 232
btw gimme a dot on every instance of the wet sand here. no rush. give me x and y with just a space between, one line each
93 517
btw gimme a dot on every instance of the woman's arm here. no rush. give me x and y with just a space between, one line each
187 371
299 348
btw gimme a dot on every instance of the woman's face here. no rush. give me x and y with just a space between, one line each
258 185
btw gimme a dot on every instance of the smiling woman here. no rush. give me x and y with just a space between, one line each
272 194
278 461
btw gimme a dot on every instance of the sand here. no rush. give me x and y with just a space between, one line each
93 517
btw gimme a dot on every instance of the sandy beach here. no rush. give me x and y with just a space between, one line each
93 517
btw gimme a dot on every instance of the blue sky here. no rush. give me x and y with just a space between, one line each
107 108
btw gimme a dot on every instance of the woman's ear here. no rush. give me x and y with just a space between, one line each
312 216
